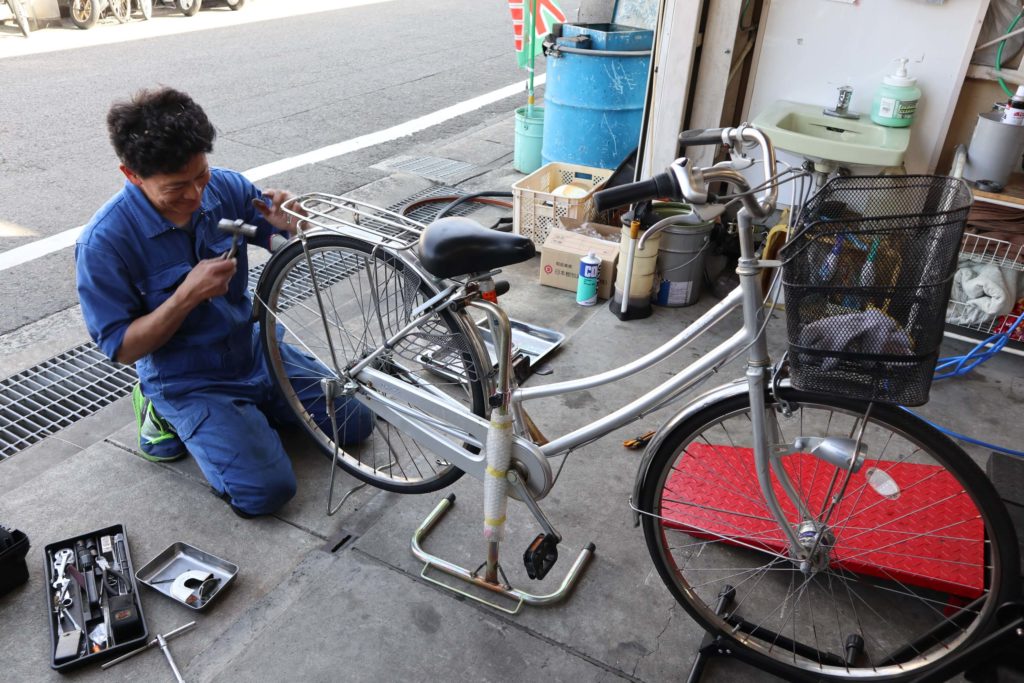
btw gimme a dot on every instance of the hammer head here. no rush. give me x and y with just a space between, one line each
237 227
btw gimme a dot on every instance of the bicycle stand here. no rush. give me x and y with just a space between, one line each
977 662
715 645
472 577
1001 646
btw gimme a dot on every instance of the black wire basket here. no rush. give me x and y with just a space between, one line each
867 277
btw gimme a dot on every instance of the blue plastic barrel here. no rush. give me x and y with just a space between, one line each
595 93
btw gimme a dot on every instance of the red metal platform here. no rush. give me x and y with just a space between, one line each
929 536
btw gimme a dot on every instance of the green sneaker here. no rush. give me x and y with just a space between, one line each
158 441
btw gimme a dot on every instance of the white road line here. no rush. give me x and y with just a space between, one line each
48 245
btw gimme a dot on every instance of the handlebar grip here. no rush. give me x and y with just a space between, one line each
660 185
701 136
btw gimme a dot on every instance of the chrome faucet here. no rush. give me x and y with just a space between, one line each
841 109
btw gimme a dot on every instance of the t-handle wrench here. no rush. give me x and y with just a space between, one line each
161 642
237 228
170 660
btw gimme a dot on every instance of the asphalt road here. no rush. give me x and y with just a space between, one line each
274 89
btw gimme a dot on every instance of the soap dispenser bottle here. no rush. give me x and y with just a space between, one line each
896 99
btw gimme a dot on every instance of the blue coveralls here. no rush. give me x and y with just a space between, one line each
210 381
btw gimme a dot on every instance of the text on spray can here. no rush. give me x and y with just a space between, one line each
586 284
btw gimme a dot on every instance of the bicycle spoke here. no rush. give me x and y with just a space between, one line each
364 296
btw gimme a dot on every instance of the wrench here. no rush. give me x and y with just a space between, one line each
61 559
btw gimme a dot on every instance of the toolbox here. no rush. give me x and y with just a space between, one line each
93 606
13 570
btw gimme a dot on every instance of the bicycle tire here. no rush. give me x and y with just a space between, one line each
121 9
19 17
146 6
737 543
84 13
188 7
388 459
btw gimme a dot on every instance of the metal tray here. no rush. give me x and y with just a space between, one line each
181 557
531 341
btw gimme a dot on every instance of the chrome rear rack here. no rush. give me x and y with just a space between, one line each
353 217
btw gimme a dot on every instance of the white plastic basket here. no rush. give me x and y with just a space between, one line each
536 209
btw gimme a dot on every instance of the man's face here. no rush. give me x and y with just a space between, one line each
175 195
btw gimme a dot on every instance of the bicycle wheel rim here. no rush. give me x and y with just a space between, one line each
696 556
344 270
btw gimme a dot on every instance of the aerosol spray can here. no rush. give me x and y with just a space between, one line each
1013 113
586 285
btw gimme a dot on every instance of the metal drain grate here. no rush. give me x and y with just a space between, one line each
438 169
42 400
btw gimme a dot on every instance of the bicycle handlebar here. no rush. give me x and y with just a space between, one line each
702 136
683 182
660 185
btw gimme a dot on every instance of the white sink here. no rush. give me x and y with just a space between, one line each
805 130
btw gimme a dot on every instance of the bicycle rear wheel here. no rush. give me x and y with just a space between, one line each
913 552
368 295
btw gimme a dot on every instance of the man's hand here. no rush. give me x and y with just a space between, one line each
208 279
275 215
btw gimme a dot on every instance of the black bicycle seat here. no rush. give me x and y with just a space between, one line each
455 246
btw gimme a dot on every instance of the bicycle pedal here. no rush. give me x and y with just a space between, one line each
540 556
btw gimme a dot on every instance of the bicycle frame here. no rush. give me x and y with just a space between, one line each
450 418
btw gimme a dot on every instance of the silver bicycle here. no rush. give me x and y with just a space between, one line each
817 535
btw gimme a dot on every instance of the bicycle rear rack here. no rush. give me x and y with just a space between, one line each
353 217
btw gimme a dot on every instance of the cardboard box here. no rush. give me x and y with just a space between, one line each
561 252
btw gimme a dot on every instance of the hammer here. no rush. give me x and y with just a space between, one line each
237 228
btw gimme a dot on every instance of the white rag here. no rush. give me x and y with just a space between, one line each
985 290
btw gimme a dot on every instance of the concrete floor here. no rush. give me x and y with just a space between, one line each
302 608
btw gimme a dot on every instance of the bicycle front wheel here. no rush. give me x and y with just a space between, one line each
367 296
910 554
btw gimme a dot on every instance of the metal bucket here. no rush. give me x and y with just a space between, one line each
595 93
995 151
681 264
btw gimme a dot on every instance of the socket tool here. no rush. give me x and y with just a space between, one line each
86 563
161 642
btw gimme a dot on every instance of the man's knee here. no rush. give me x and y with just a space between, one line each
263 497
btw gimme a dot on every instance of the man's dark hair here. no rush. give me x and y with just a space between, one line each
159 131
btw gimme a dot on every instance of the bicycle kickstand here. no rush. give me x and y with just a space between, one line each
501 471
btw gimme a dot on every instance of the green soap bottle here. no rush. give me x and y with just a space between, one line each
896 99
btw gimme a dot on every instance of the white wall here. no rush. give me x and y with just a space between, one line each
808 48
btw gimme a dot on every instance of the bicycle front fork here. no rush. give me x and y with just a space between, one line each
758 371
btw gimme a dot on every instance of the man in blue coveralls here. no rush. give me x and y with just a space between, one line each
156 290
